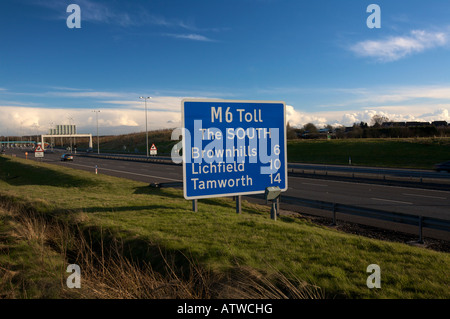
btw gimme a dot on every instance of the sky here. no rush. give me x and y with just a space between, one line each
320 57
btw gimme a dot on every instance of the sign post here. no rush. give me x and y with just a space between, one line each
153 150
233 148
39 151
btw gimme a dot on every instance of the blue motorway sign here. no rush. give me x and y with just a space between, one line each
233 147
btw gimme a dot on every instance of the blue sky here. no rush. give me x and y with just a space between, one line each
318 56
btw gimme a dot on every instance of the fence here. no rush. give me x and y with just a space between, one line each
415 220
420 221
398 177
407 219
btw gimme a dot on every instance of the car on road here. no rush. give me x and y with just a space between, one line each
445 166
66 157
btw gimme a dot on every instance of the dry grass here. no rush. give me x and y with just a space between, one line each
107 274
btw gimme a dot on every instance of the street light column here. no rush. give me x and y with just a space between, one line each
146 129
98 139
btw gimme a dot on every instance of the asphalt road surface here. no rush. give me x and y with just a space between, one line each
416 201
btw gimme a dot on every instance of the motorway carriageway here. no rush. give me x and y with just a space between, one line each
409 200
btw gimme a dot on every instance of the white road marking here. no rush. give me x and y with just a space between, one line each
315 184
373 185
392 201
113 170
426 196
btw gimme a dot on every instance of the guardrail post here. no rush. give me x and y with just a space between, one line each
278 205
334 215
420 229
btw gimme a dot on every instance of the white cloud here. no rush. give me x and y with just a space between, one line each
396 47
97 12
90 11
89 94
296 118
357 98
401 94
123 112
20 120
159 103
366 116
348 118
441 114
192 36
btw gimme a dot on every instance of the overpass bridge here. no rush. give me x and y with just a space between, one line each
47 136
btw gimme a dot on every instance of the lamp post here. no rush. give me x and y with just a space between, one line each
98 141
146 130
51 133
21 131
36 126
70 133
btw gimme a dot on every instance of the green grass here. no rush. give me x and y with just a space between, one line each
218 239
380 152
407 153
28 268
420 153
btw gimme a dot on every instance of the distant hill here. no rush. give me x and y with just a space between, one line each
134 143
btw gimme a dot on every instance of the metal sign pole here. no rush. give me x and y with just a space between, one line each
278 205
238 204
273 211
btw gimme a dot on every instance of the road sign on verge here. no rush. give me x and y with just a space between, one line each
153 150
233 147
38 151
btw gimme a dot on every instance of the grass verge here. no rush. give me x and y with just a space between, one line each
420 153
155 231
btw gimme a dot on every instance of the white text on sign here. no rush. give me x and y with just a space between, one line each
243 116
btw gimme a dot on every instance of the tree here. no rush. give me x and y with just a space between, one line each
377 120
311 128
358 130
290 132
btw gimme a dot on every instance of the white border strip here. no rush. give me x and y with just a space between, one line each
231 101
